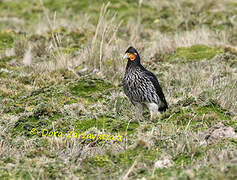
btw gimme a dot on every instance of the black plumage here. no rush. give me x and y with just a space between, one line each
141 86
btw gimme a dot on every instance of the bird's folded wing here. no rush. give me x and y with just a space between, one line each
156 84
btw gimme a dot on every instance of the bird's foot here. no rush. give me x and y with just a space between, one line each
138 120
153 116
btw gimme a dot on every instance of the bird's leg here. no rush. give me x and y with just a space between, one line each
139 111
153 108
153 115
138 118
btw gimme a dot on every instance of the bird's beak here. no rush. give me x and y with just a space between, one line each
125 56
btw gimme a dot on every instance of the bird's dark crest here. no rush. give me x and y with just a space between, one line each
131 50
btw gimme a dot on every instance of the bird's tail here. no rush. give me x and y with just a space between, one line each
163 107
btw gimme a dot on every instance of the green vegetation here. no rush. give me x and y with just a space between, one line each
61 70
6 40
196 52
87 88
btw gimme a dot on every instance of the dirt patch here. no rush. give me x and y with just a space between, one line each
217 132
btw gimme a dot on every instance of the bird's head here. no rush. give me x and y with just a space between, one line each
132 55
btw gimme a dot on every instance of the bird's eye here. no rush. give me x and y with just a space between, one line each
132 57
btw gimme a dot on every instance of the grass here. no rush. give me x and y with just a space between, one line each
196 52
6 40
61 70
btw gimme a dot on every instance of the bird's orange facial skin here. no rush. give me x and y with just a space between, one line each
132 56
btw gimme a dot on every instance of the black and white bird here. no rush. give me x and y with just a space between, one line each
141 86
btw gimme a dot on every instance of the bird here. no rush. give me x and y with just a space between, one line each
142 87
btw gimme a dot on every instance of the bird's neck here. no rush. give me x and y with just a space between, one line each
133 64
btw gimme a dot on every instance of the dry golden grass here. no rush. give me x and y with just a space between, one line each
64 71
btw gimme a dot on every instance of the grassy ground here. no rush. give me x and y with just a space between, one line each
61 71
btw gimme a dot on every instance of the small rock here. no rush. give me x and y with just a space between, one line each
27 60
82 71
217 132
142 178
13 62
164 163
95 71
5 70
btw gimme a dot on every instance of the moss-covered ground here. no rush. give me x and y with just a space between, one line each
61 71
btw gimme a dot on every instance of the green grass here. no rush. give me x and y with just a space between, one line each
196 52
6 40
73 83
84 88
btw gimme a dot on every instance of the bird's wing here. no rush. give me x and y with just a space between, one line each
159 91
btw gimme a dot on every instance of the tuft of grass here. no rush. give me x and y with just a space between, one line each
6 40
73 83
196 52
